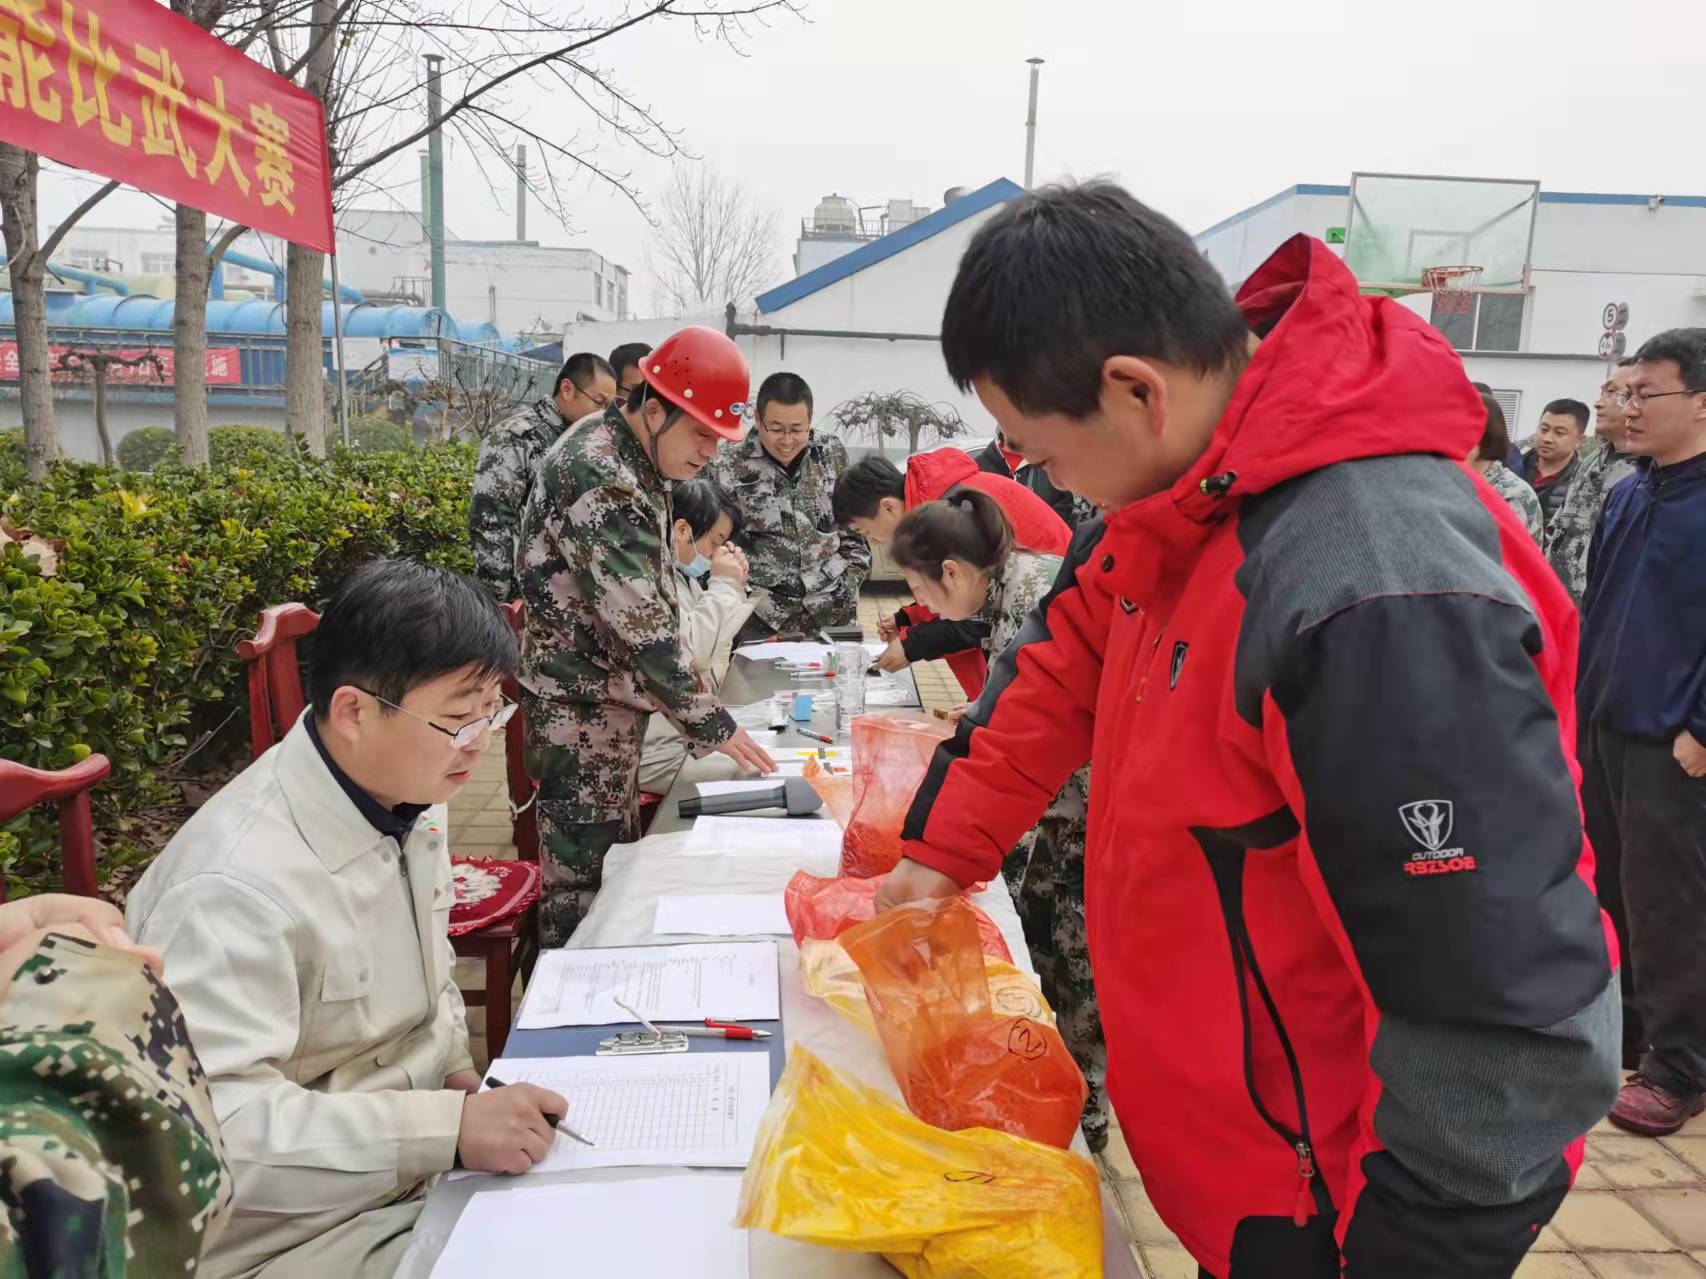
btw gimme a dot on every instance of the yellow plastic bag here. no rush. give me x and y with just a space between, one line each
828 971
840 1165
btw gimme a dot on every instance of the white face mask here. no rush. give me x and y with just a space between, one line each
698 566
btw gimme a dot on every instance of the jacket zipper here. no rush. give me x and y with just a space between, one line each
1311 1191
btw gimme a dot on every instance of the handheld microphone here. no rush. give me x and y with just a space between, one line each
793 793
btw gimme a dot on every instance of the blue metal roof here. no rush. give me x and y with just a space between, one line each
1546 197
973 202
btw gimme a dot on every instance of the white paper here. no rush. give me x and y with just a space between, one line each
797 651
528 1230
888 694
722 915
763 836
691 1110
731 980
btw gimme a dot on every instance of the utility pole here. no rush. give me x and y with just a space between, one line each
435 153
1031 124
520 191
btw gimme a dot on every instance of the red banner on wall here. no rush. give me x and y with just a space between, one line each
128 89
223 364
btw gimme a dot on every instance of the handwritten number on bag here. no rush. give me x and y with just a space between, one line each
1025 1041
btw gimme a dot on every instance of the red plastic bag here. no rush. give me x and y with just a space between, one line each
834 789
826 908
958 1064
890 756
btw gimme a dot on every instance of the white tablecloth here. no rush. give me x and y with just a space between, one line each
635 876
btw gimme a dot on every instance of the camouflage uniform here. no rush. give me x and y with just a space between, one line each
1516 490
509 459
601 652
110 1158
1047 880
1571 529
810 569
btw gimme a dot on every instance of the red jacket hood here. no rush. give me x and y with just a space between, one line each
1338 376
929 475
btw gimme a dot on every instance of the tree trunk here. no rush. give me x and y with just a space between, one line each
304 337
108 458
19 221
304 349
189 337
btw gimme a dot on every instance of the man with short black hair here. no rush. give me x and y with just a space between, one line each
781 478
998 459
1356 989
1601 465
1551 464
625 360
1643 693
302 913
509 459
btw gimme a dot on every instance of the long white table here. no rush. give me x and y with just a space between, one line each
635 876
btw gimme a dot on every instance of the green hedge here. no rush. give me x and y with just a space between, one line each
129 646
235 445
377 435
146 447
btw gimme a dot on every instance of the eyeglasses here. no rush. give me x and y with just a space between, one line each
597 401
785 432
1623 399
461 738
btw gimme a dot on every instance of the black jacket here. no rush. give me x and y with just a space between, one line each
1068 505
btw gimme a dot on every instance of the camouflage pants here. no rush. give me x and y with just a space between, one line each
786 615
571 867
1049 896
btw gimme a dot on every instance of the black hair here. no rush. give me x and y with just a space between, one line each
862 488
782 388
701 502
967 524
1495 443
1483 388
393 625
1574 408
629 353
643 392
1684 347
580 368
1627 361
1065 278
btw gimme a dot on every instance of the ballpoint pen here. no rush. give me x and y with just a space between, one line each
556 1121
715 1029
816 737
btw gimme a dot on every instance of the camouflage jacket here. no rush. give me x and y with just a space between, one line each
509 459
603 643
810 569
1015 589
1570 531
1516 490
110 1158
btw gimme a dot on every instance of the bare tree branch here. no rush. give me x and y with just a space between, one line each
714 243
46 251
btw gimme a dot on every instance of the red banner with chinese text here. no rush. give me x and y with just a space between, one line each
222 365
128 89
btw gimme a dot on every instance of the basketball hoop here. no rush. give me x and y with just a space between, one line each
1453 288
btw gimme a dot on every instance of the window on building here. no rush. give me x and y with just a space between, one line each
87 260
159 263
598 289
1480 321
1511 403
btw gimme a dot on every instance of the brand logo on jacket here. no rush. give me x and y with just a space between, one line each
1430 822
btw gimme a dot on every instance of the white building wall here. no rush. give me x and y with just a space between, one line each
1239 248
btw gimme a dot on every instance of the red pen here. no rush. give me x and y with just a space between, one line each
717 1030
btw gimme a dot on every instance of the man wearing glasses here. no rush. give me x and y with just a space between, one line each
1643 692
509 459
782 480
302 916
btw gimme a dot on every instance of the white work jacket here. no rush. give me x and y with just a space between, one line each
311 960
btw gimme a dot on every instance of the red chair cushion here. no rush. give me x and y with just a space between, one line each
489 890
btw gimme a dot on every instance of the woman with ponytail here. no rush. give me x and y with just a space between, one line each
960 561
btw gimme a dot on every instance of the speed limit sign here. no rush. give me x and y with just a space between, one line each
1608 317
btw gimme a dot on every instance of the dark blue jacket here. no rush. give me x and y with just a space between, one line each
1643 661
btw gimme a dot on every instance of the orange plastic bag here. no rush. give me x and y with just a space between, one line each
826 908
828 973
835 789
890 756
842 1166
958 1063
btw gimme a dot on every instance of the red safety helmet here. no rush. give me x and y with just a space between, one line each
703 372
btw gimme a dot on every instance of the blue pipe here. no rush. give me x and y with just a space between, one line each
88 279
277 272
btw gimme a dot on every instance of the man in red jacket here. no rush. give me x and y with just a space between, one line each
871 496
1357 992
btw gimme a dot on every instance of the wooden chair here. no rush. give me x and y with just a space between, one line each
505 948
23 788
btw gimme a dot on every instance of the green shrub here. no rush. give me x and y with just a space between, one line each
377 435
146 447
231 445
128 648
12 446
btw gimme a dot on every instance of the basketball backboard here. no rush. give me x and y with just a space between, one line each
1399 225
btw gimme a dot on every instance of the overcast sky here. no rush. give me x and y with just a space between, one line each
1202 107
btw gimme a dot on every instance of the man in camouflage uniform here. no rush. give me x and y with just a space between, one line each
781 480
110 1158
603 646
509 459
1602 467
